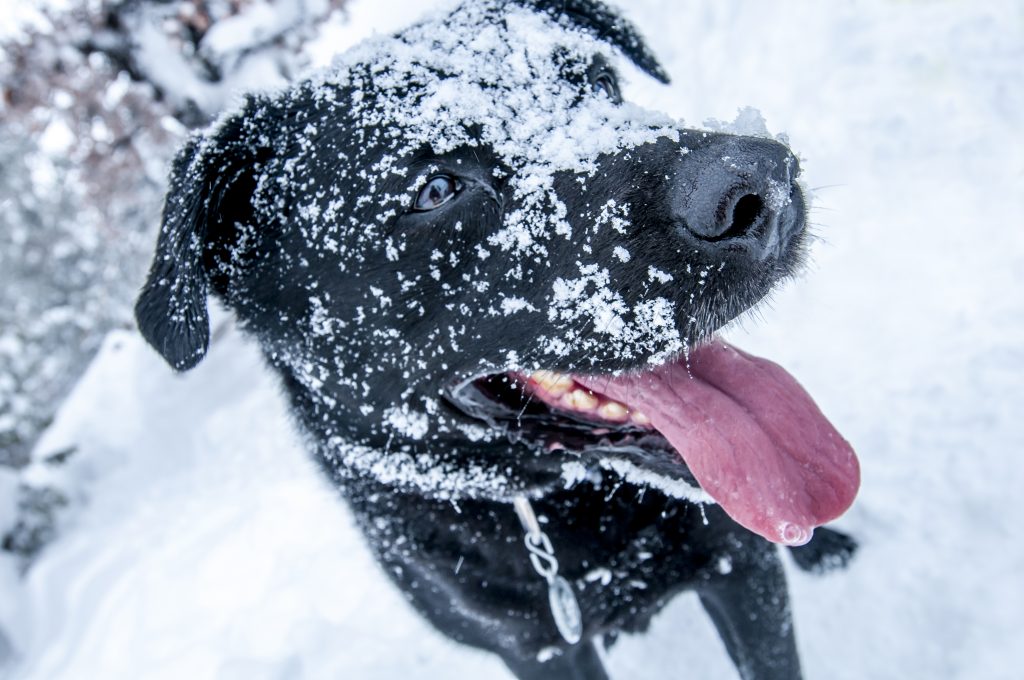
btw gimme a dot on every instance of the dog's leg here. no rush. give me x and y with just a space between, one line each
576 663
750 607
828 550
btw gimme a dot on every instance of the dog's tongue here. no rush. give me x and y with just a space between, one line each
751 435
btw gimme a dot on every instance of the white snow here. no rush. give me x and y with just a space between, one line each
645 329
676 488
210 547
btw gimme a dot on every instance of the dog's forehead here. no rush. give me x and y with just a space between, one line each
495 74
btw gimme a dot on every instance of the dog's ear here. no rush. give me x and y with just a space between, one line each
597 18
171 310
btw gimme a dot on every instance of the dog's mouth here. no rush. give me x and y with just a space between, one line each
738 425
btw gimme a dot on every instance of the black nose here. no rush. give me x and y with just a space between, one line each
734 187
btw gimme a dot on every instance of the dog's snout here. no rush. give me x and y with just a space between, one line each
734 188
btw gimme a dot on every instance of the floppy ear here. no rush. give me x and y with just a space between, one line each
604 23
171 310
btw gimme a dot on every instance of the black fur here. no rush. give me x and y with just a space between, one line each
295 210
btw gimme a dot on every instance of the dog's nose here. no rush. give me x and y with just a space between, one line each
732 187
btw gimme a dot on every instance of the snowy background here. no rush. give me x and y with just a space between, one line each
196 540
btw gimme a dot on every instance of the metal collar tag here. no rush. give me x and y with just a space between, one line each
564 607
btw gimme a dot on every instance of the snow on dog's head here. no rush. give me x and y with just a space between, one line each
414 233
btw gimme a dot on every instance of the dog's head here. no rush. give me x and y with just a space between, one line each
441 239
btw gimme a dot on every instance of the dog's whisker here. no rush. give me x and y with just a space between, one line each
528 394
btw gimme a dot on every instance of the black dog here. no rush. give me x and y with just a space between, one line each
489 286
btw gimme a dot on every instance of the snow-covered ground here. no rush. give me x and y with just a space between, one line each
206 545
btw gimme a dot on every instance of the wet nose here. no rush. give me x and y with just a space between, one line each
735 187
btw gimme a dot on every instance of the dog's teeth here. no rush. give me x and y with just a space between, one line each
553 383
613 411
640 418
580 400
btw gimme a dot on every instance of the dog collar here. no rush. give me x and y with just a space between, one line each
565 609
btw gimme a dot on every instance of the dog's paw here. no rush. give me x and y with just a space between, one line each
827 551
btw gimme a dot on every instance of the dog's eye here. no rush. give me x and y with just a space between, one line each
605 83
438 191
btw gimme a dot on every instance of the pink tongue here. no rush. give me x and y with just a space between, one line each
751 435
